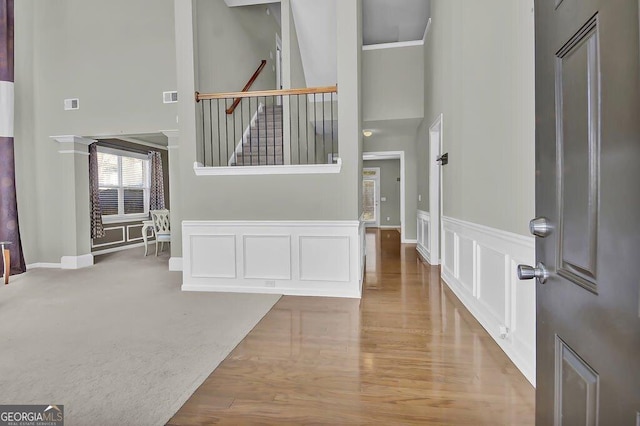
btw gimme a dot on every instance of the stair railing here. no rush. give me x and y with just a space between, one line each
247 86
269 127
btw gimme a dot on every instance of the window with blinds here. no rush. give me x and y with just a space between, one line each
124 180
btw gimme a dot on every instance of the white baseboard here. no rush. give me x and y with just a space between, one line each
310 258
409 241
423 254
43 265
479 266
389 227
116 249
76 262
175 264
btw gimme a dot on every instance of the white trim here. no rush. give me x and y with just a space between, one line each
111 219
393 45
175 264
141 142
436 197
129 232
423 231
120 248
389 227
76 262
122 152
62 139
200 170
322 258
123 240
274 223
245 135
171 133
411 241
43 265
6 106
490 259
72 151
396 44
71 144
394 155
426 31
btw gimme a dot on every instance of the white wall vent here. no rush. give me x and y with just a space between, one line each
169 97
70 104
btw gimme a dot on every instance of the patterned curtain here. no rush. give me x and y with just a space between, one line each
9 229
156 198
97 230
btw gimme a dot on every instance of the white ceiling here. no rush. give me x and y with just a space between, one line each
390 21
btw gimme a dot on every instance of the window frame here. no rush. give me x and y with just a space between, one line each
121 216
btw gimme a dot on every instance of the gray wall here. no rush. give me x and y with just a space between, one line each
393 83
389 189
117 57
396 140
283 197
479 63
230 44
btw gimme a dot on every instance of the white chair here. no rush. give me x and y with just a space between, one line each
161 227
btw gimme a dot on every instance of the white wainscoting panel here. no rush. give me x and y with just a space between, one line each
324 258
213 256
267 257
424 235
311 258
479 266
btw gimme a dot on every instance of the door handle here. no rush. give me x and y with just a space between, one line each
540 227
526 272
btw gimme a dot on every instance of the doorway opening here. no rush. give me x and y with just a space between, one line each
371 196
394 155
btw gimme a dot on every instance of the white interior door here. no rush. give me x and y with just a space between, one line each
371 196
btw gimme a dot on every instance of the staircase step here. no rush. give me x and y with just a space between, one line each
262 134
269 126
255 161
258 142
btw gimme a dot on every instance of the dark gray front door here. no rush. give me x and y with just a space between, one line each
588 187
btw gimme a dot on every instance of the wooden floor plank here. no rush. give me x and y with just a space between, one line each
407 353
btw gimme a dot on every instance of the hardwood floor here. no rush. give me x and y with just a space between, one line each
407 353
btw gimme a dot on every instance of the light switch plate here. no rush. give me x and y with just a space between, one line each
383 198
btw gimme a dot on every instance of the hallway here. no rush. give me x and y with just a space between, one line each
407 353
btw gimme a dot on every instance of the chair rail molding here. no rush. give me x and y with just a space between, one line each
305 258
479 265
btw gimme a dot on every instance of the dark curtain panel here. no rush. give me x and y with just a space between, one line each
156 198
97 230
9 229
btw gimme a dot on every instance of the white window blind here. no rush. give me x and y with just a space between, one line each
124 180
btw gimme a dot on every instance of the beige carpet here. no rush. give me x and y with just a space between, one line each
117 343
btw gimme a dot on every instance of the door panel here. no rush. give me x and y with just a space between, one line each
578 144
588 187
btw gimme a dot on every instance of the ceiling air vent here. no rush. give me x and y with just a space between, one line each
169 97
70 104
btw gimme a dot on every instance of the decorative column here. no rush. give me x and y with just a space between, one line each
76 244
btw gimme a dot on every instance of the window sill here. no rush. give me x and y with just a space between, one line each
124 219
200 170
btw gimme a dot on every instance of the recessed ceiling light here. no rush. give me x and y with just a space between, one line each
367 133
